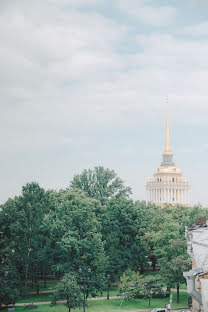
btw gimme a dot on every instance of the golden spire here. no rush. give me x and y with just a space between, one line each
167 134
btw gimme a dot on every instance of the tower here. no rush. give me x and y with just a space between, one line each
167 185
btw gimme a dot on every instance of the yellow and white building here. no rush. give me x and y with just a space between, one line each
167 185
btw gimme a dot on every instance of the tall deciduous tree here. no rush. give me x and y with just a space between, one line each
101 184
75 238
122 228
21 238
69 290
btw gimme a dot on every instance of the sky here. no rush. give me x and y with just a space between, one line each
83 83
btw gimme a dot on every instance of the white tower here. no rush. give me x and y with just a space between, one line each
167 185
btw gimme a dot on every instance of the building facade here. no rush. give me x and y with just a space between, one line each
167 185
197 278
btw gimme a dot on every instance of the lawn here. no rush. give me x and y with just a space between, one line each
50 285
115 305
47 296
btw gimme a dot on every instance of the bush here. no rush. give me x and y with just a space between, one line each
30 307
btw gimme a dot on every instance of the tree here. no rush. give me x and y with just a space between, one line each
135 285
152 287
101 184
173 272
9 286
166 236
122 228
74 235
21 238
69 290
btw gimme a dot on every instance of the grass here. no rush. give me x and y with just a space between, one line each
36 298
50 285
47 296
114 305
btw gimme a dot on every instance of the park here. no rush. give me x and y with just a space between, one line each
92 247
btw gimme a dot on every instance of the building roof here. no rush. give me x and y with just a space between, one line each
168 170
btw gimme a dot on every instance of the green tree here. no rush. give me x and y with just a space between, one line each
74 235
166 236
152 287
122 228
9 285
21 239
69 290
173 270
134 285
101 184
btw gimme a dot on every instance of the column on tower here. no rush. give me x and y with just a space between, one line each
165 195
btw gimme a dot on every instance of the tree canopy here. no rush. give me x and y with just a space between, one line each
101 184
92 224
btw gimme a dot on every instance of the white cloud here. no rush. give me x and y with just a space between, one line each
197 29
147 13
65 77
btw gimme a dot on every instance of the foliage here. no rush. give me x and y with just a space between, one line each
75 238
94 224
69 290
9 291
101 184
122 228
31 307
134 285
167 240
20 238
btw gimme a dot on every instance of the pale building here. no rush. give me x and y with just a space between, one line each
167 185
197 278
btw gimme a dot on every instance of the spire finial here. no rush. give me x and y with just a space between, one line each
167 133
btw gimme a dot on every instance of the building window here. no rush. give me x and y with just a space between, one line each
173 180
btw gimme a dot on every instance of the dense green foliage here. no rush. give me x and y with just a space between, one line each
101 184
93 224
69 290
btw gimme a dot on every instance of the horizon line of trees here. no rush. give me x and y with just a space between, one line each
92 224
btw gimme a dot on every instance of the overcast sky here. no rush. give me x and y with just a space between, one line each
83 83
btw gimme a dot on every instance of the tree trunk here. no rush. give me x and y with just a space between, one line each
149 301
168 289
37 289
45 277
141 271
32 281
178 295
154 262
69 309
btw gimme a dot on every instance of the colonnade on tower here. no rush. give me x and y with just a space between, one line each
167 186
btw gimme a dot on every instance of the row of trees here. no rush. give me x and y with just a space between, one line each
94 223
